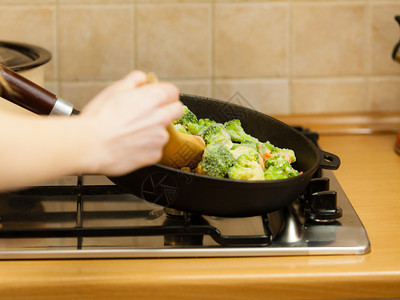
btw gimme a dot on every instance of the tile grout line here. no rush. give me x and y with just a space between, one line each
57 47
212 48
135 34
250 79
290 57
368 55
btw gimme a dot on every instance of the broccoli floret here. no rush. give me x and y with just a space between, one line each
217 134
277 167
234 146
245 168
216 160
249 143
270 147
187 118
237 132
288 153
206 122
261 148
244 149
196 129
200 127
181 128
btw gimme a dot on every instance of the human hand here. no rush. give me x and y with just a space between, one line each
127 124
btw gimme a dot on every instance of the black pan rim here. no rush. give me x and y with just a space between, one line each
305 174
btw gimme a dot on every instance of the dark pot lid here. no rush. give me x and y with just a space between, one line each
18 56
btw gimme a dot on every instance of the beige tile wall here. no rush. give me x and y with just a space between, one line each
281 57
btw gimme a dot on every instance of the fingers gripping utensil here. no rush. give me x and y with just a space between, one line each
181 150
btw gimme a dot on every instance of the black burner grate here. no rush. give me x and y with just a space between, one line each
187 229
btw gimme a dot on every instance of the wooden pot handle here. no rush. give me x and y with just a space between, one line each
27 94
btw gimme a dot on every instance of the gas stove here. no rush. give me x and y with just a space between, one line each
93 218
102 221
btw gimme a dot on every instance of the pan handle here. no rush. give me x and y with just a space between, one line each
328 160
27 94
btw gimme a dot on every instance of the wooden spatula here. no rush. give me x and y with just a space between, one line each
182 150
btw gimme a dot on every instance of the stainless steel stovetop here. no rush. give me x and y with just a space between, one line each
94 221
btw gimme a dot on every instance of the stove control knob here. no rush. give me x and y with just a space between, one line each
317 185
322 207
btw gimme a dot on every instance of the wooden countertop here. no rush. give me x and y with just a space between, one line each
370 176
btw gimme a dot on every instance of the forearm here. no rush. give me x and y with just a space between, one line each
122 129
37 149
